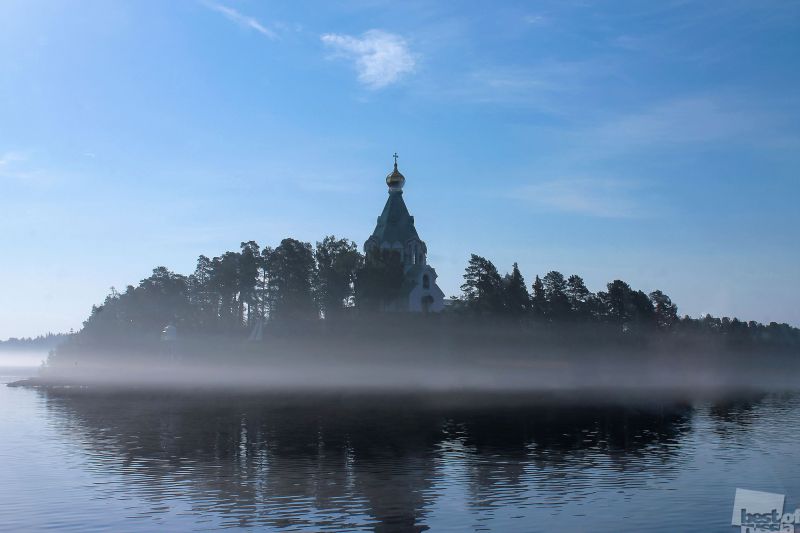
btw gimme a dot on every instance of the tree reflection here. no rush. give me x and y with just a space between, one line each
344 462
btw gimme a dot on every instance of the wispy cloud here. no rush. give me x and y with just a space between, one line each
692 120
12 167
536 19
16 166
548 86
682 120
605 198
381 58
242 20
8 158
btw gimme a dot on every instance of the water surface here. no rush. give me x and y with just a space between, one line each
145 461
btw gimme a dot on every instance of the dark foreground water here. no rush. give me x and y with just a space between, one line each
158 462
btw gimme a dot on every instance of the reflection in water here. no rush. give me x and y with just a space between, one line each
332 462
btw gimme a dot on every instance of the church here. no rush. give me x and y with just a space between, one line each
395 233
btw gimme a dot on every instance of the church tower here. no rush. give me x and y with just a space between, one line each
395 233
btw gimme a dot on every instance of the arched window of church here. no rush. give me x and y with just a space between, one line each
426 282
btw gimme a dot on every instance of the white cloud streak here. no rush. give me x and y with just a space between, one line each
689 121
535 19
16 166
558 88
10 157
380 58
11 164
604 198
242 20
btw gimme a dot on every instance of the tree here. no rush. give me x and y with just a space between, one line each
224 283
581 300
623 305
163 298
338 261
249 264
617 302
262 285
201 294
482 287
292 269
142 312
555 292
666 312
643 311
538 299
516 299
379 281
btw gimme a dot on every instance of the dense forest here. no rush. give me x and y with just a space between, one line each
297 286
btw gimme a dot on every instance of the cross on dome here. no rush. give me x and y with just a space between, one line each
395 180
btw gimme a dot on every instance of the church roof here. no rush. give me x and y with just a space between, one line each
395 223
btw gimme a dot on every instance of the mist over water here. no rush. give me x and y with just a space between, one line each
394 369
140 460
22 358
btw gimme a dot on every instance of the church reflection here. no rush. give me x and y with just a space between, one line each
338 463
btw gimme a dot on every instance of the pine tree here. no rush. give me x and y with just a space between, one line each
201 294
666 311
249 260
224 283
538 299
579 297
482 287
555 287
292 270
617 302
338 260
517 300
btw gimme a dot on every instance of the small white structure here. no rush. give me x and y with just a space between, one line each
169 333
395 232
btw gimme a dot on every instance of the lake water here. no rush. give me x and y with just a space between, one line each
85 461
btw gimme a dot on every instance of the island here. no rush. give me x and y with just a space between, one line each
333 316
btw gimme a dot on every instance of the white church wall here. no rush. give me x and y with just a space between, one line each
416 294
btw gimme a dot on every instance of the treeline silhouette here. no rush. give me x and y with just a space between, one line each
297 286
40 342
557 299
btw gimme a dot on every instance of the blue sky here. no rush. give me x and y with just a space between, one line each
656 142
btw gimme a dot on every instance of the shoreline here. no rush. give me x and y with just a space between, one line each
628 395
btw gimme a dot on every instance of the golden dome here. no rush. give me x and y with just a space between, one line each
395 180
